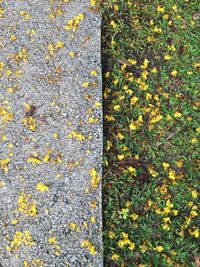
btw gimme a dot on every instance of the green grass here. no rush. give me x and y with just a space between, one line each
150 183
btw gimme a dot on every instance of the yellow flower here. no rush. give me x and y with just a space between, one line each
134 216
131 170
120 136
159 248
165 165
93 2
148 96
94 178
132 61
160 9
179 163
134 99
115 256
121 243
167 57
175 212
74 23
72 226
120 157
158 30
172 174
116 7
145 63
111 234
42 187
174 73
143 247
72 54
154 70
2 65
85 84
59 45
113 24
131 246
193 213
56 135
52 240
174 7
92 219
194 193
26 205
116 107
93 73
177 114
194 140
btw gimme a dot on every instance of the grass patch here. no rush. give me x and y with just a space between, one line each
150 184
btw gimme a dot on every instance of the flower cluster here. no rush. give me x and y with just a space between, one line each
151 133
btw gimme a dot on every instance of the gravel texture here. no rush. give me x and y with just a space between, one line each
50 134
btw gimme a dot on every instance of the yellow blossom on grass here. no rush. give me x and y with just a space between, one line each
120 136
113 24
134 99
109 117
131 246
143 247
116 108
159 248
179 163
154 70
167 57
158 30
174 73
194 193
131 170
160 9
134 216
111 234
174 7
115 257
120 157
177 114
194 140
132 61
145 64
165 165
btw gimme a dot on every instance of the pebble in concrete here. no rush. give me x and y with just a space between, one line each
50 133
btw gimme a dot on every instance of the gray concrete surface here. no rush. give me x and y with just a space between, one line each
50 134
